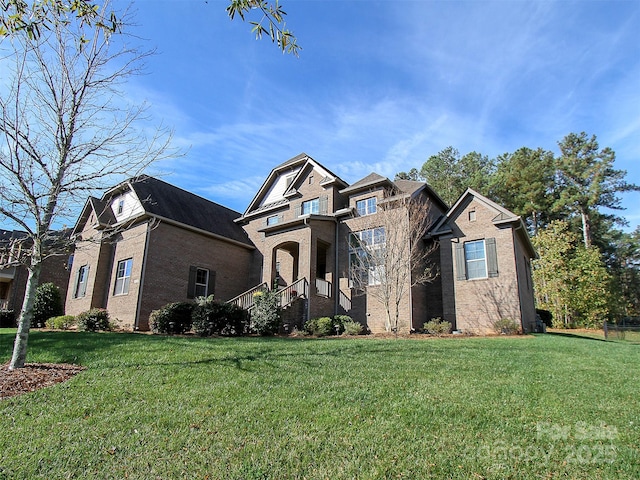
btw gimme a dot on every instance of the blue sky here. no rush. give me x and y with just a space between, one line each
382 85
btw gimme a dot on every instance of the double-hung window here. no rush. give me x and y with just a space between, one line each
311 207
123 277
80 287
476 259
368 206
366 257
202 282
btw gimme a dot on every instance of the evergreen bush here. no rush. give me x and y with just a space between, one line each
352 328
506 326
93 320
173 318
215 318
325 326
437 327
7 319
265 315
62 322
47 304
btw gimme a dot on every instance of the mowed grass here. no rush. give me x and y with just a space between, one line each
546 406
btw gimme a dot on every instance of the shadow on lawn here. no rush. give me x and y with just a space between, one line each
575 335
115 350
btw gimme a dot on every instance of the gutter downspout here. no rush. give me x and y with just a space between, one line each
136 322
336 281
305 222
518 280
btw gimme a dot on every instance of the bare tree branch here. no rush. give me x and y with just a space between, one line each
67 131
390 255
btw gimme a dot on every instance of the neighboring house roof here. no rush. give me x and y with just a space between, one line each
7 236
298 164
503 216
167 201
100 208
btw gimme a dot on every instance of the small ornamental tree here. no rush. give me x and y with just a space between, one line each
265 316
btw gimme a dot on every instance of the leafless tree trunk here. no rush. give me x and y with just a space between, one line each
386 268
67 131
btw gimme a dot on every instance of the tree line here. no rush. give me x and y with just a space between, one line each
588 268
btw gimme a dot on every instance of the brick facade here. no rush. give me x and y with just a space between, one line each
297 229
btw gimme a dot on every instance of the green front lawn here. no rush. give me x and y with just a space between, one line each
150 407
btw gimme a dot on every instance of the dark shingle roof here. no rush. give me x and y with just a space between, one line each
409 186
168 201
368 181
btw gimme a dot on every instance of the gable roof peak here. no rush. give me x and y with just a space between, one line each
372 180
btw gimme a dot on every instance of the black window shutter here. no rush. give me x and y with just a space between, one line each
191 287
76 284
492 257
461 265
211 286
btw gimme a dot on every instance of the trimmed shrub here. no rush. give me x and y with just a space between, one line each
62 322
47 304
325 326
506 326
216 318
265 315
352 328
437 327
7 319
173 318
93 320
339 321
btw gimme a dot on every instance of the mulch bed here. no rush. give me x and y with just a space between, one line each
34 376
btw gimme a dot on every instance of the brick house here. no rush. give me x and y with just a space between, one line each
13 276
297 236
147 243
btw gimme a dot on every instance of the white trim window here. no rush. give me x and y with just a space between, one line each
311 207
366 251
367 206
475 257
202 282
123 277
82 276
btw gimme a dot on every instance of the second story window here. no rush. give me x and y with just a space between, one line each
273 220
123 277
120 206
311 207
368 206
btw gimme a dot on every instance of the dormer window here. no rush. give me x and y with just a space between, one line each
289 179
120 208
368 206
